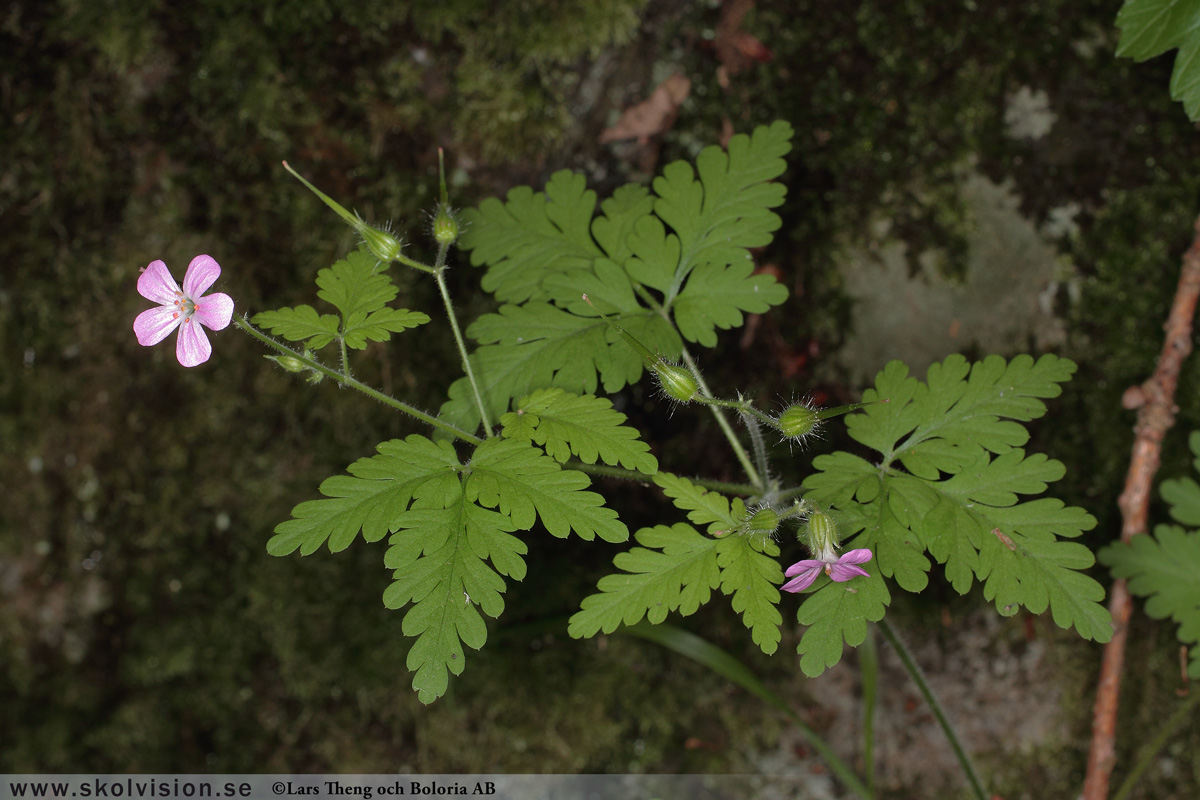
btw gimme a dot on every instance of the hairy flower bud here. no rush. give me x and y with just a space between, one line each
764 522
382 244
822 533
445 225
798 421
676 382
290 363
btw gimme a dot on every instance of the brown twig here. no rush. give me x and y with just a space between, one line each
1155 402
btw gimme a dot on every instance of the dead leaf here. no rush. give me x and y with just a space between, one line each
653 115
736 49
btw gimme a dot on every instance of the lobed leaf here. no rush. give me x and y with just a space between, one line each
519 480
750 572
1152 27
1163 568
948 487
702 505
300 323
585 426
675 569
353 286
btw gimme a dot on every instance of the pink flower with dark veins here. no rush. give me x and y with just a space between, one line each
840 568
187 309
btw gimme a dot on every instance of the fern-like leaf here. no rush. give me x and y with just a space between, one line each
675 569
587 427
948 487
359 293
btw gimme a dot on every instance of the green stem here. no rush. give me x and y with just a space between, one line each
605 471
440 275
734 442
760 449
868 665
918 677
742 406
410 262
351 383
1147 754
345 355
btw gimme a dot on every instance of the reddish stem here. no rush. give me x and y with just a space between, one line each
1155 401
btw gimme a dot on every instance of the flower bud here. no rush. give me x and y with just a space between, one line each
798 421
764 521
290 363
445 226
676 382
382 244
822 533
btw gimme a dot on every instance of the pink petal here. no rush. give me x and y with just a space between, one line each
192 347
844 569
844 572
153 325
804 579
801 566
215 310
155 283
200 275
860 556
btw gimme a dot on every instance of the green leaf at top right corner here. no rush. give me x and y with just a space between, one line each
1150 28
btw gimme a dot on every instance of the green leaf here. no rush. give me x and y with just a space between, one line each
533 235
1152 27
587 427
718 216
715 297
948 485
438 555
377 490
352 285
702 505
360 294
299 323
521 482
1183 494
537 346
675 569
750 572
835 613
623 212
379 325
1163 568
715 213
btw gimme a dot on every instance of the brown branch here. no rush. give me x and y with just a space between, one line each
1155 401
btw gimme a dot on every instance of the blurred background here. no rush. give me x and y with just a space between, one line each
966 177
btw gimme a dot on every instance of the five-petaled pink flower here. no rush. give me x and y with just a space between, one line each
842 568
186 308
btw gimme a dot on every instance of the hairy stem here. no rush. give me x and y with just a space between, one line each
730 435
352 383
440 275
606 471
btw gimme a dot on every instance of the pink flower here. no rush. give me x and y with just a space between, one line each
842 568
186 308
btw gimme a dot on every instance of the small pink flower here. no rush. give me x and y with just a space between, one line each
842 568
186 308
